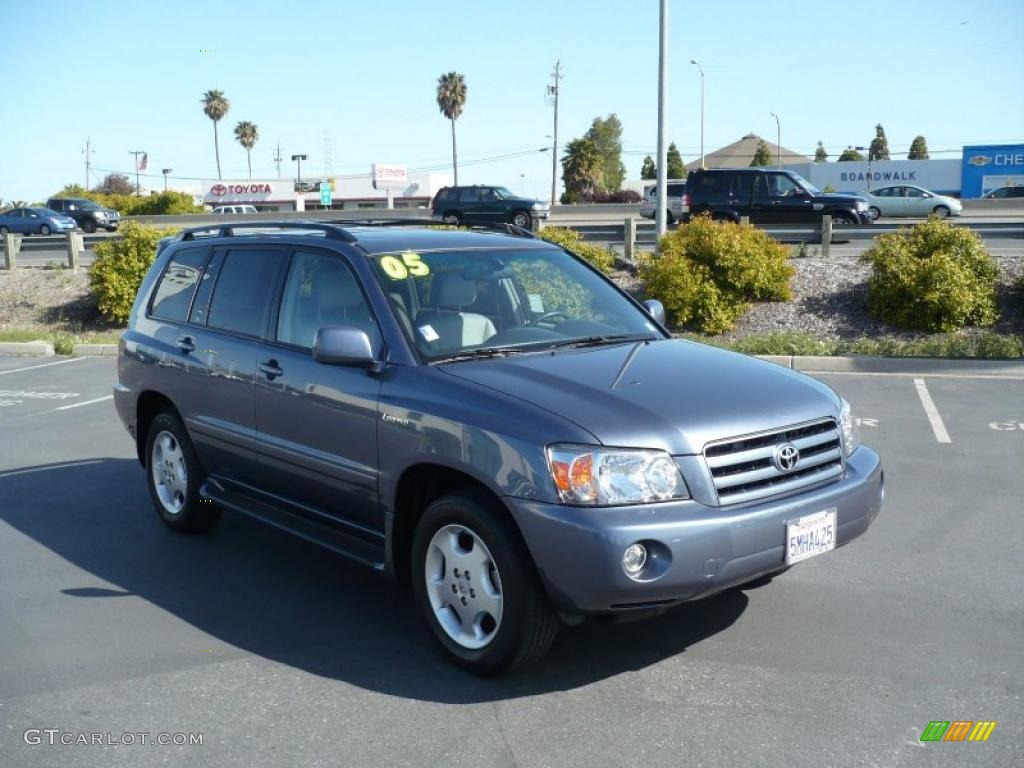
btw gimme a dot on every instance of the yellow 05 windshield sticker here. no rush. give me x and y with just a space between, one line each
400 268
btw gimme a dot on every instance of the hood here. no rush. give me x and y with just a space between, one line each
841 197
527 201
670 394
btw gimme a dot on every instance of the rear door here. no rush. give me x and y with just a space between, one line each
470 204
221 344
317 423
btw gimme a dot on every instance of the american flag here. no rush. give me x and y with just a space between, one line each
143 161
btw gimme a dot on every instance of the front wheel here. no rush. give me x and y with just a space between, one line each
842 219
44 230
521 219
476 587
174 476
89 227
941 211
874 213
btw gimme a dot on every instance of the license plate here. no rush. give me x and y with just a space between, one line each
810 536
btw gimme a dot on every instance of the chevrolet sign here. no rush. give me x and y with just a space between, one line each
980 160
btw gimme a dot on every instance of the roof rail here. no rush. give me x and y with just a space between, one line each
331 230
507 228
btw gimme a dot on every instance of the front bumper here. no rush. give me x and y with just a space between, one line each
704 550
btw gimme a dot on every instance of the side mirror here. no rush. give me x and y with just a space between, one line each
656 310
343 345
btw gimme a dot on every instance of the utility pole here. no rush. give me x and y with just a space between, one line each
166 171
660 211
277 159
87 151
701 70
553 90
778 139
136 153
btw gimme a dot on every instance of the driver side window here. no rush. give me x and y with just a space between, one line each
781 185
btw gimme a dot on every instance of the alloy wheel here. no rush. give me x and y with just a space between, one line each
170 475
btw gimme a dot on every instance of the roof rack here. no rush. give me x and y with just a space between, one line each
330 230
337 229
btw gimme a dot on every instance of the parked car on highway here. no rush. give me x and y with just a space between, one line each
88 214
484 416
675 191
768 197
239 209
486 205
909 200
1003 193
35 221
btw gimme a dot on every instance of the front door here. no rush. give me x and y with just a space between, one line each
790 202
317 423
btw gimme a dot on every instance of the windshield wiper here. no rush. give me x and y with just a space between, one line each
479 354
596 341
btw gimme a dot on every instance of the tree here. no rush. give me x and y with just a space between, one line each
582 166
850 155
451 98
820 155
247 134
648 170
215 106
74 190
606 134
115 184
762 155
674 166
918 149
879 149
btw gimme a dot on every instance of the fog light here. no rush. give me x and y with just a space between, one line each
633 558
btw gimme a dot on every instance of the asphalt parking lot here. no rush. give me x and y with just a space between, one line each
278 653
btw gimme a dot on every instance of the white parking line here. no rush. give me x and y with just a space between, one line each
44 365
87 402
929 409
44 469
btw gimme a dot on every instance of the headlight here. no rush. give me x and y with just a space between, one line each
101 214
861 205
850 428
539 206
599 476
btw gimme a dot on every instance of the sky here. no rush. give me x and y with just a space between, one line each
359 79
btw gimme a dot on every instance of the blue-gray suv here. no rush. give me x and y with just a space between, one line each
483 415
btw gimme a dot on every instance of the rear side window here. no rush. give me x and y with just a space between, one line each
676 190
709 184
444 195
243 291
469 195
174 293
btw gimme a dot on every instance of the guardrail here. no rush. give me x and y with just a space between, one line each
74 244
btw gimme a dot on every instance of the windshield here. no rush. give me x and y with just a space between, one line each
503 193
88 205
455 302
805 183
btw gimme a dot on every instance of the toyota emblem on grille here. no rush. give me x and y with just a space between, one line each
786 457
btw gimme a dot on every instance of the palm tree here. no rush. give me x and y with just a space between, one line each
451 97
215 106
247 134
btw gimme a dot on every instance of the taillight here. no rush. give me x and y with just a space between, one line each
686 199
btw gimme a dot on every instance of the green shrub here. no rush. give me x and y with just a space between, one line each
932 277
121 265
573 241
708 272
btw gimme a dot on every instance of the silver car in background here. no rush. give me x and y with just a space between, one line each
908 200
677 208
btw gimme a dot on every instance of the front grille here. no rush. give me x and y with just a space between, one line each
743 468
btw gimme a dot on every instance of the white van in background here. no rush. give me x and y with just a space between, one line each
677 208
225 209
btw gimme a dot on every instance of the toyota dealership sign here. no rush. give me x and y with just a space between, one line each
389 176
225 192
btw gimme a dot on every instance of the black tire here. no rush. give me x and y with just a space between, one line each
528 625
522 219
942 211
450 217
842 219
874 213
669 218
195 515
88 226
44 230
4 230
111 229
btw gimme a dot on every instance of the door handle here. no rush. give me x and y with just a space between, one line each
186 344
271 369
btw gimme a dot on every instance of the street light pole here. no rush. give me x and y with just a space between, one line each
298 160
701 70
554 90
778 139
662 203
165 171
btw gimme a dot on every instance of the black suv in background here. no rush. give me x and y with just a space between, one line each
486 205
88 214
769 197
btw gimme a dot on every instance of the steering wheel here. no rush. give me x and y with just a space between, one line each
549 316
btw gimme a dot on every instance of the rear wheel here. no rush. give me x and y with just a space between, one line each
476 586
4 230
452 218
874 213
174 476
941 211
521 219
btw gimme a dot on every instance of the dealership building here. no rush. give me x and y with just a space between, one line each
387 186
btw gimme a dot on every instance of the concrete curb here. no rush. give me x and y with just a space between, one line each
37 348
99 350
906 365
